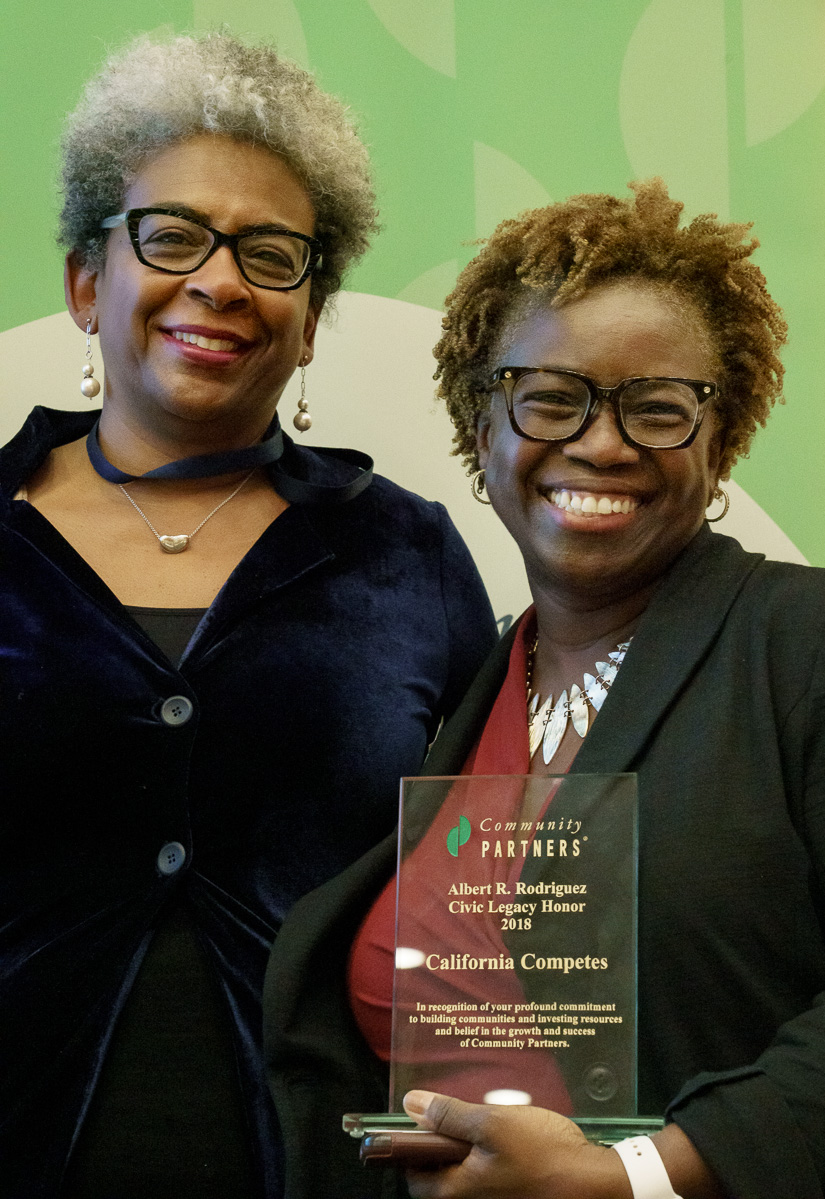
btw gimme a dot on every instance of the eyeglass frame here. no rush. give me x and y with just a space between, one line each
133 216
506 377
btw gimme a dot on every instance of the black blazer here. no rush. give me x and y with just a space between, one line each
720 709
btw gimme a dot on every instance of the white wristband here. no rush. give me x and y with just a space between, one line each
645 1169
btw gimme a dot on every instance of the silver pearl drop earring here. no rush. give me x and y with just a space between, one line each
302 420
90 386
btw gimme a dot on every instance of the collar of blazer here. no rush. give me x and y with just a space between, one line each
673 635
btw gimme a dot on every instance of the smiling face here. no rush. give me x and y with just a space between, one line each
209 346
596 518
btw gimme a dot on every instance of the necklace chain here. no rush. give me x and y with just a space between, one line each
178 542
547 724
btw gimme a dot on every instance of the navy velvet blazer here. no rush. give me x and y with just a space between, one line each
720 710
317 678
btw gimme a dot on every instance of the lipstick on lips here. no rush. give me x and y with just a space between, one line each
198 343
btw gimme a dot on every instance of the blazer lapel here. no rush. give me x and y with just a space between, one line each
460 733
674 634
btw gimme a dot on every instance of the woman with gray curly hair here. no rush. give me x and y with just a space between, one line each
218 651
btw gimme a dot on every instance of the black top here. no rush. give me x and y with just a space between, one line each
166 1118
171 629
168 1095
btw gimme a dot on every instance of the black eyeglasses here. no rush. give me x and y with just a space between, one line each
277 259
552 404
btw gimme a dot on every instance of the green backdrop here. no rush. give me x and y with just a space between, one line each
475 109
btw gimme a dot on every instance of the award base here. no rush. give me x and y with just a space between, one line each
602 1130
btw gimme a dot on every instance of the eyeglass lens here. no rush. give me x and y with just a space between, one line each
269 258
655 412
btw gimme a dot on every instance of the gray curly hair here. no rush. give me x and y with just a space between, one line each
153 94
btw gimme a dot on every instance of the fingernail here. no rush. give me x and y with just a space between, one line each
417 1102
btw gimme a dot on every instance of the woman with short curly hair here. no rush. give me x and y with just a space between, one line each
553 255
604 365
218 650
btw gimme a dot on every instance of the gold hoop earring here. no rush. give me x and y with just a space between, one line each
719 494
477 488
302 420
90 386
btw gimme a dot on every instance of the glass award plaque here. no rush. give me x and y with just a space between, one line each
516 944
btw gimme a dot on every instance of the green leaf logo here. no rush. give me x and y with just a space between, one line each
459 835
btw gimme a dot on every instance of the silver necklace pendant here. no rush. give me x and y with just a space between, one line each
594 691
555 729
578 710
174 544
537 721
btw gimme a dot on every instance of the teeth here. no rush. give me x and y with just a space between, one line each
585 504
205 343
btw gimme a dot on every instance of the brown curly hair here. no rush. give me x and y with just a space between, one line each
567 249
